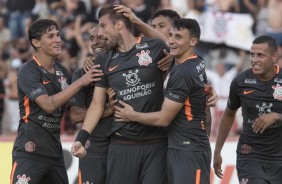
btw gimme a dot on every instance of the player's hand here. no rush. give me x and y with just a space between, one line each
93 75
127 12
263 121
78 150
111 94
165 62
217 161
212 96
88 63
123 113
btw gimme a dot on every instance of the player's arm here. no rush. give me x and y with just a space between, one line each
265 120
50 103
160 118
144 28
77 114
92 117
225 125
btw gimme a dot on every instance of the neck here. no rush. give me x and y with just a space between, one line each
181 58
46 61
127 41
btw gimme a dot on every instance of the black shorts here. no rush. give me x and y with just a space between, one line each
136 163
35 172
92 170
188 167
254 172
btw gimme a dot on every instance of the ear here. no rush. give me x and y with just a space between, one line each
119 24
275 57
194 42
35 43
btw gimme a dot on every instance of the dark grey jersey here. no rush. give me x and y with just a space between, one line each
97 146
185 84
138 81
39 132
258 98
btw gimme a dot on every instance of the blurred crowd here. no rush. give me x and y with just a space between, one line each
77 17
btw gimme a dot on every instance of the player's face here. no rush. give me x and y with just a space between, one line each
162 24
262 60
179 42
97 43
108 31
50 43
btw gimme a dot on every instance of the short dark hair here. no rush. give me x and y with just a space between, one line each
38 28
114 16
267 40
191 24
172 15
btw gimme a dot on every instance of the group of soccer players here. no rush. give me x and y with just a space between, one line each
139 126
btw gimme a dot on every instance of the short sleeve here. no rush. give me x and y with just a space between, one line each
178 87
30 83
233 99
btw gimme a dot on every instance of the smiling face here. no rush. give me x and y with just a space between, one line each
108 30
97 43
49 43
263 61
162 24
181 43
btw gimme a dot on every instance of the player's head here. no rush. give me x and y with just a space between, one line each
184 36
97 43
111 23
44 34
162 21
263 55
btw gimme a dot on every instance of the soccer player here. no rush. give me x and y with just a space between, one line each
258 91
92 167
183 110
137 153
44 90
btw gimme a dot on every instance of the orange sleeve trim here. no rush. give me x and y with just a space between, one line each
188 110
13 172
35 59
27 109
198 176
79 177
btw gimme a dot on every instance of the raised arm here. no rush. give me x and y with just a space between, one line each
144 28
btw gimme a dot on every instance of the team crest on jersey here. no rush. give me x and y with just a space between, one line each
63 82
245 149
144 58
30 146
23 179
264 109
132 79
277 94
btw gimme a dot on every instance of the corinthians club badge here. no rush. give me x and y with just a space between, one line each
277 94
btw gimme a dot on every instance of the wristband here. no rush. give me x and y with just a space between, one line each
82 137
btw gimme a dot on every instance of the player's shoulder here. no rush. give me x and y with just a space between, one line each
28 66
150 41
